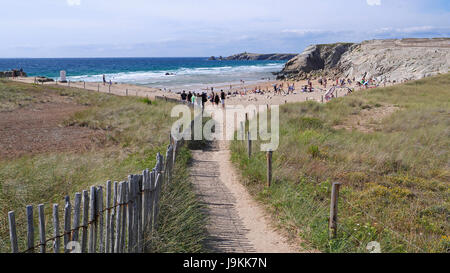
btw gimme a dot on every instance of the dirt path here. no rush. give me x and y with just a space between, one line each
236 222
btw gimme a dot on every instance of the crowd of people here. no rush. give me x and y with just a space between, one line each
279 88
201 98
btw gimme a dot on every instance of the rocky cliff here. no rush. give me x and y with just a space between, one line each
386 60
260 57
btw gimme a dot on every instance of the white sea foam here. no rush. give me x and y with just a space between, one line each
188 76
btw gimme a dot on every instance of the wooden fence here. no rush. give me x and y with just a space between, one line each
118 218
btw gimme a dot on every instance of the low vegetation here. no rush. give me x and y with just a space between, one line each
134 131
395 178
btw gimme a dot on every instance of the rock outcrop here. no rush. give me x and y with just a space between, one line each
385 60
12 73
260 57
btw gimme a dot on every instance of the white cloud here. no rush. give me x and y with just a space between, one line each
73 2
373 2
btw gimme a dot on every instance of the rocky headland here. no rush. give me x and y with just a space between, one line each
256 57
385 60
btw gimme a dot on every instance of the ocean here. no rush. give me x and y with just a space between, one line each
184 72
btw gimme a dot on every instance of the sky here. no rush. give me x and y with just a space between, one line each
200 28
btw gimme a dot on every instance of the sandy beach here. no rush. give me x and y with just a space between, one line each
245 91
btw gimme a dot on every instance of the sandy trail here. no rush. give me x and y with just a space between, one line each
237 223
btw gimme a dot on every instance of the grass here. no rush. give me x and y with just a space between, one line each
182 222
395 180
135 131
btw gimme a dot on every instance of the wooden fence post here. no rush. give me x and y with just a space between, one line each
322 99
138 217
100 218
84 234
146 187
114 216
118 213
269 168
334 210
13 232
157 192
41 228
131 203
76 216
56 242
109 88
108 217
84 84
127 92
30 229
124 217
249 144
153 175
67 224
92 220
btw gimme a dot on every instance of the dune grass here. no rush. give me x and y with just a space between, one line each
396 179
135 130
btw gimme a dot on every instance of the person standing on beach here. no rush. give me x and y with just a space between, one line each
189 97
183 96
217 99
104 79
199 100
222 98
204 99
212 98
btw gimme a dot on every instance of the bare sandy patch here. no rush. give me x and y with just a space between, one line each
38 129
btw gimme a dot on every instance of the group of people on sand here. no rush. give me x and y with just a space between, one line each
200 99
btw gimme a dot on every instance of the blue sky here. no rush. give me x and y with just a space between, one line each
173 28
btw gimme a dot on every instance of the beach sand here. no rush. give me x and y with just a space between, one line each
123 89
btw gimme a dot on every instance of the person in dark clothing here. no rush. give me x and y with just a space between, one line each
204 99
183 96
213 96
222 98
217 99
189 96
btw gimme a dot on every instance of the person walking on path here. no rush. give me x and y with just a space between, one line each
104 79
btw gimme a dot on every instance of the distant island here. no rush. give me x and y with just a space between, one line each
255 57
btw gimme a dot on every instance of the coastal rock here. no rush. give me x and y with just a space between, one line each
12 73
260 57
44 79
385 60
